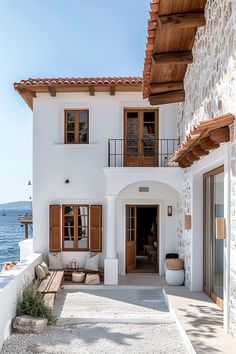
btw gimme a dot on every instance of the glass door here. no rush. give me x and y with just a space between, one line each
141 136
213 247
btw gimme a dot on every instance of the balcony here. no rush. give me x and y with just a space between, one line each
145 152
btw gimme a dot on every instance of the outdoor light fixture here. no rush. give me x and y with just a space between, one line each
220 228
169 210
67 181
187 221
29 183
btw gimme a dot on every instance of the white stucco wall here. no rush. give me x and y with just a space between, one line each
12 285
54 162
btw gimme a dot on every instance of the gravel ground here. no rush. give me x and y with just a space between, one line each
105 321
99 338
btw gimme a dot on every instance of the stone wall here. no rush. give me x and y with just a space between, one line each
184 236
210 88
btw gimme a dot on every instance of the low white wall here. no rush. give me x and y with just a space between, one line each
26 248
12 285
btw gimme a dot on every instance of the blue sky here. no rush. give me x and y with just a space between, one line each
58 38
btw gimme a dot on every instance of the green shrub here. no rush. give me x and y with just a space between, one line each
33 305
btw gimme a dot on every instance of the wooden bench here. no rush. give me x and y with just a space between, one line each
68 273
50 286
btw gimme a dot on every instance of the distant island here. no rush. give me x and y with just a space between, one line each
20 205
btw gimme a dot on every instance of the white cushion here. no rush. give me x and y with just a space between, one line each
45 267
92 262
55 261
92 279
78 277
40 272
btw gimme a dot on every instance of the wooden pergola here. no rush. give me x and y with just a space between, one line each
171 32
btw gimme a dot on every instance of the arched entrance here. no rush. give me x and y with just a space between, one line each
145 232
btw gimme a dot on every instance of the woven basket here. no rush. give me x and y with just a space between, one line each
175 264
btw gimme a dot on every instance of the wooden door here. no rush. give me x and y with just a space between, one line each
141 138
130 238
149 139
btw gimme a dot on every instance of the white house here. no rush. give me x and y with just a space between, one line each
101 177
109 174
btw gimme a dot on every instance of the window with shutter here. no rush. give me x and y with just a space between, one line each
95 234
55 228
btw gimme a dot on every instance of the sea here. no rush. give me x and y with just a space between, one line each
11 233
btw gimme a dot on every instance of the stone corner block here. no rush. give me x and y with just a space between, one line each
29 324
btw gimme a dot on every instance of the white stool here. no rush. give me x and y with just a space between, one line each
175 277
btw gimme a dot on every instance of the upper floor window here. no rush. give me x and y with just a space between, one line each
76 127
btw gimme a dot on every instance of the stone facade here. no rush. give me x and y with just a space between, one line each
184 236
210 88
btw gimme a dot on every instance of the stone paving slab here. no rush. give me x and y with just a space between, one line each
111 305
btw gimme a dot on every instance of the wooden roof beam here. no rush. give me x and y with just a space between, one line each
167 87
208 144
52 91
174 58
184 20
112 90
26 91
199 151
168 97
220 135
91 91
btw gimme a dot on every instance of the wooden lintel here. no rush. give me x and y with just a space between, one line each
184 20
174 58
27 92
91 91
168 97
208 144
112 90
167 87
52 91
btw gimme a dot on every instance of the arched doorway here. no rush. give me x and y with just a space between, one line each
145 232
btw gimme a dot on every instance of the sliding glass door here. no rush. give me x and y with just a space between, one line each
213 247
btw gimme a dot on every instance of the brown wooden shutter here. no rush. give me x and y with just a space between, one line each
55 228
95 230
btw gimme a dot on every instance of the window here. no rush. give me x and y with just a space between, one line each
75 227
76 127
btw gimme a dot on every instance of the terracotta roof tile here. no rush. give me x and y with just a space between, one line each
80 81
151 33
30 87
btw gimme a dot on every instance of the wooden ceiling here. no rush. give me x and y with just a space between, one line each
171 32
206 136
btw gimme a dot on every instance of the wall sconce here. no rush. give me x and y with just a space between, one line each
67 181
169 210
187 222
220 228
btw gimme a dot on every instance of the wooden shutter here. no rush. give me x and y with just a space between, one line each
95 230
55 228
